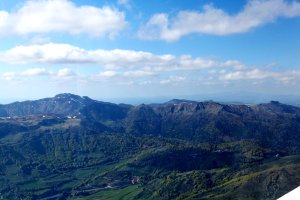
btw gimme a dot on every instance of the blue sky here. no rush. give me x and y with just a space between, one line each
127 49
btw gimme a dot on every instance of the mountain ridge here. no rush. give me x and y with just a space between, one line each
80 101
183 119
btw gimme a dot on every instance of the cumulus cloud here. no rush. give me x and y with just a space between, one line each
289 76
107 74
110 59
61 74
139 73
121 75
173 79
66 72
146 76
45 16
36 72
216 21
252 74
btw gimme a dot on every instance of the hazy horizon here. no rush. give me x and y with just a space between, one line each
221 98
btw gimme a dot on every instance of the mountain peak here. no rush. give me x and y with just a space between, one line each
67 95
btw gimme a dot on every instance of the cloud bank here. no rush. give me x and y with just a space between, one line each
111 59
124 65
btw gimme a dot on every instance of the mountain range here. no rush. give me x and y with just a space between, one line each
73 147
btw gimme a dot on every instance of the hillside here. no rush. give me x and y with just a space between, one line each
72 147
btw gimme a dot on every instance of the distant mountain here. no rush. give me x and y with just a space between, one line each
271 122
62 104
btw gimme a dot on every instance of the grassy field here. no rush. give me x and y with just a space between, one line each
116 194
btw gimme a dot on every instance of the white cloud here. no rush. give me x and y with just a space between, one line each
252 74
139 73
110 59
173 79
28 73
36 72
66 72
121 75
108 74
61 74
164 82
146 77
289 76
215 21
44 16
